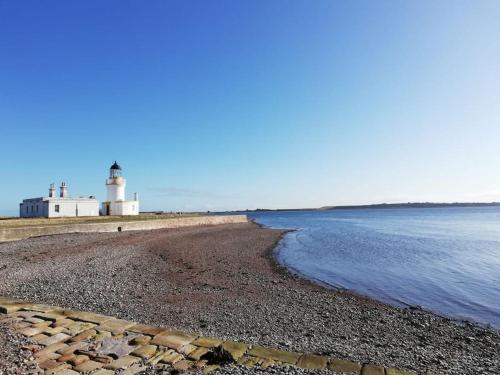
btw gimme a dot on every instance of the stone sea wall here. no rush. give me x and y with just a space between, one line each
12 234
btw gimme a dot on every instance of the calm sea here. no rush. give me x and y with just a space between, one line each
446 260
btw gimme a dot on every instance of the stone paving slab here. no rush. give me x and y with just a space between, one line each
70 342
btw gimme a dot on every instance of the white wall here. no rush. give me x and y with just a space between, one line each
73 207
116 189
121 208
130 208
68 207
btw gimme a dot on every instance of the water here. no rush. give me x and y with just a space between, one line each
446 260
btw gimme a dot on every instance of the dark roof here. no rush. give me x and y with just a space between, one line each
116 166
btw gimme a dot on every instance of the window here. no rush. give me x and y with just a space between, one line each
56 208
36 208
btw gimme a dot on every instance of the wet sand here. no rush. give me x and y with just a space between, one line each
222 281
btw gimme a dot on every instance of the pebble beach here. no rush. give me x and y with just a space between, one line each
223 281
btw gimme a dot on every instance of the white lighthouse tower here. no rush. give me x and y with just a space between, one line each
116 203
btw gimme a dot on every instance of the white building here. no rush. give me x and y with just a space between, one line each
62 206
116 203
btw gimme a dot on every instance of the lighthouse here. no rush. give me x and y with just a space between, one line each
116 203
115 184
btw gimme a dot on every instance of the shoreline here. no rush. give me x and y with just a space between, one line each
223 281
292 272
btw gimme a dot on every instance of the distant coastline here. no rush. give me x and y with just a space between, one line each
412 205
385 206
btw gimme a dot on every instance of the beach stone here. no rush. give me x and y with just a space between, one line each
156 358
10 307
198 353
173 340
39 307
78 360
146 330
48 356
50 349
122 363
21 325
30 331
134 369
62 322
267 363
60 337
48 364
67 371
145 351
43 324
249 362
58 369
207 342
89 353
23 314
66 357
103 372
101 336
117 348
210 368
88 366
274 354
39 337
115 325
344 366
311 361
187 349
103 359
71 348
183 365
85 335
87 316
200 364
52 315
33 320
171 357
393 371
235 348
372 370
140 340
77 327
52 331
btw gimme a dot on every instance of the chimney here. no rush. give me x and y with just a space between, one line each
64 190
52 191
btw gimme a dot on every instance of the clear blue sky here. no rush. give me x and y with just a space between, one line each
212 105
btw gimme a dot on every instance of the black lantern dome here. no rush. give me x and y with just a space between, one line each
115 170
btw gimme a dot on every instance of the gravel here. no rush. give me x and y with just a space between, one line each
222 281
13 358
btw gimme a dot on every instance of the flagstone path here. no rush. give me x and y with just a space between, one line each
71 342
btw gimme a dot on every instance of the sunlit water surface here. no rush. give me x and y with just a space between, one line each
446 260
